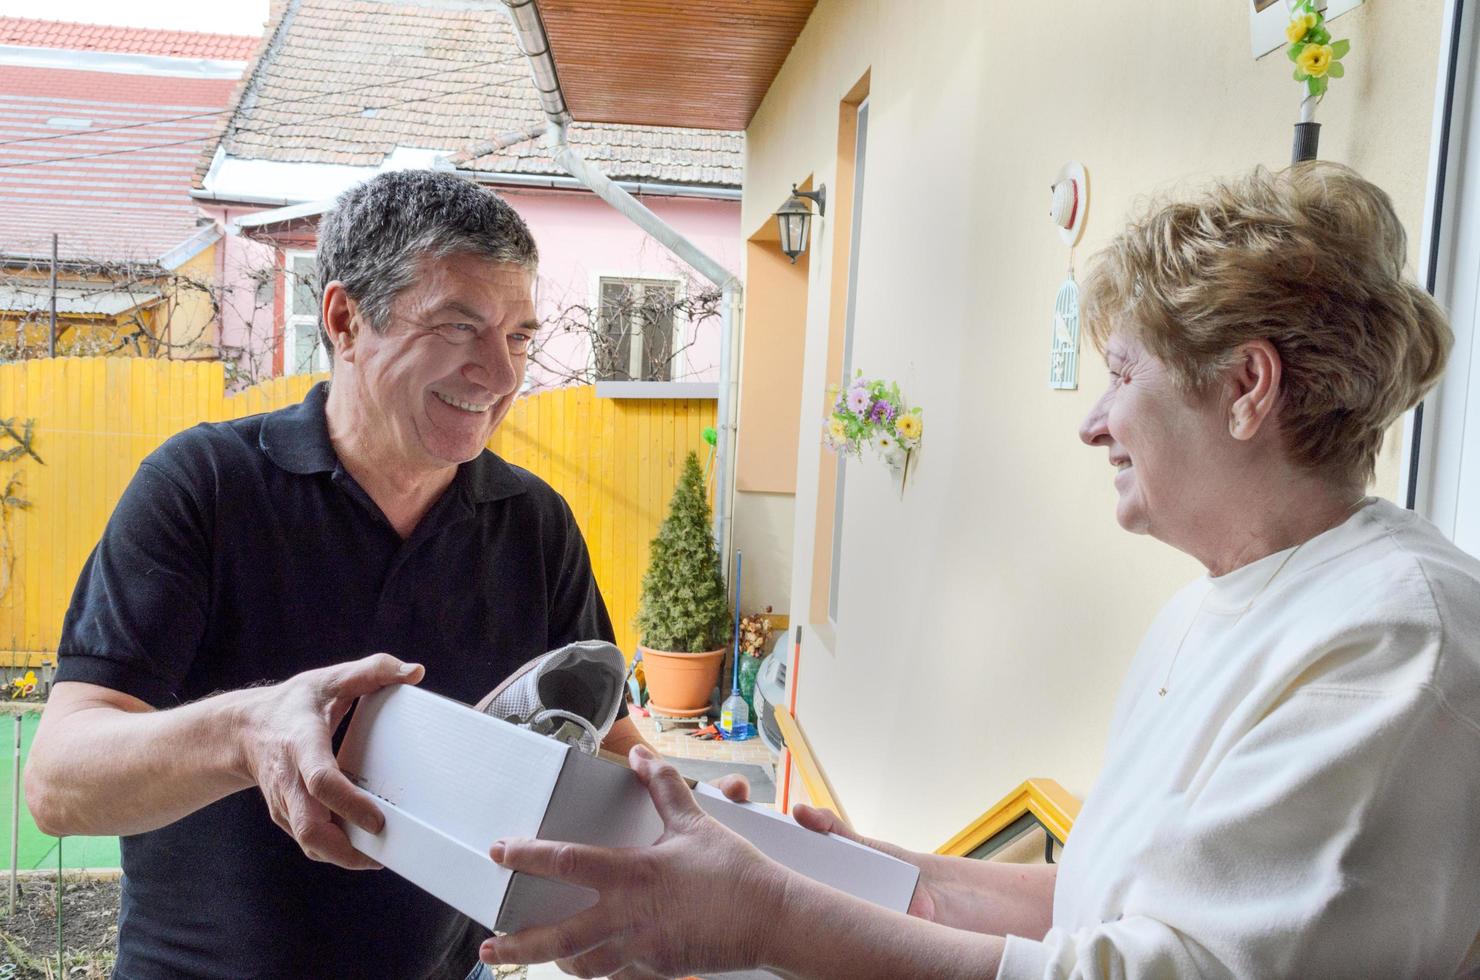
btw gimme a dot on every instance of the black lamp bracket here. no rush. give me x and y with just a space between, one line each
818 197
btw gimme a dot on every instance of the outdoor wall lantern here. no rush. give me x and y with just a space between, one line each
795 219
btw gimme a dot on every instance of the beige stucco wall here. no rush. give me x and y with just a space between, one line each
986 618
763 532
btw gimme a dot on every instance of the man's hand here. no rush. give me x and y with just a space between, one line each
286 751
656 915
735 787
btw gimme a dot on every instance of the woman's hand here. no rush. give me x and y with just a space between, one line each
660 911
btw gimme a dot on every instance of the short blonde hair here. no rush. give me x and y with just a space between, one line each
1309 259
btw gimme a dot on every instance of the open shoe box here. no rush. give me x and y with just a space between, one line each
451 781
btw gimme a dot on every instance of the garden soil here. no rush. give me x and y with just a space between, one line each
28 939
89 928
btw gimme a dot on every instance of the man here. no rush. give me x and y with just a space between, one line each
206 659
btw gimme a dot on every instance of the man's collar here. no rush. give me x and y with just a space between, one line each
488 478
297 439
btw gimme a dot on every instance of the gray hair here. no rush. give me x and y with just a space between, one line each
378 232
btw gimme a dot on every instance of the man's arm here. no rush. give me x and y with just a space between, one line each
162 765
158 767
622 736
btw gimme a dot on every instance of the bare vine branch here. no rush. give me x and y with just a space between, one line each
639 330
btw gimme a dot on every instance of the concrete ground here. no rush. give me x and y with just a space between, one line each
676 743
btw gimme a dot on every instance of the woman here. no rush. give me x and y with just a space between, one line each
1293 774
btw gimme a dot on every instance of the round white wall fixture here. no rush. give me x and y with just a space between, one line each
1070 202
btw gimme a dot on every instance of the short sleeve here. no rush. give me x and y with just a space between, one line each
1337 838
138 615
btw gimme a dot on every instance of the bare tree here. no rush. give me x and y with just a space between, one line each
140 309
20 435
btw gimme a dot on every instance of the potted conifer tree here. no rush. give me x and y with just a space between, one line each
683 616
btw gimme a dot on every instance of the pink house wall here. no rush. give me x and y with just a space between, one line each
580 238
249 320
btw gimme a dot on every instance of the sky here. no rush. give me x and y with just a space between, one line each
219 16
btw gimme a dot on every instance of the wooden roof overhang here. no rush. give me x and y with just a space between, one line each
703 65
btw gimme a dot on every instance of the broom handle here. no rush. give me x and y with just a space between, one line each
738 569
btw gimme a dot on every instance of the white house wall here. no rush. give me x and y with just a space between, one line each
986 618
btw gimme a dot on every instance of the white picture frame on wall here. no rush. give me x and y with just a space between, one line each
1268 19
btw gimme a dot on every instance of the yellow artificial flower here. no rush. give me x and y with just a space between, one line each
908 426
836 429
1315 59
1299 26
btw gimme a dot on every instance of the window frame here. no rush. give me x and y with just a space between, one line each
678 367
295 323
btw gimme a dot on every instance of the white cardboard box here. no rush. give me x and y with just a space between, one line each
451 781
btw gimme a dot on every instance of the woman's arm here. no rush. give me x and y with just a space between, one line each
820 933
963 893
656 915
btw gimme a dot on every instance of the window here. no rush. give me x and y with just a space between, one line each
1443 469
837 529
843 225
635 323
303 351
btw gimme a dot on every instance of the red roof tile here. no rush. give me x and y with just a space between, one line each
103 160
67 36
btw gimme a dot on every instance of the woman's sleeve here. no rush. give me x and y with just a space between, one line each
1337 837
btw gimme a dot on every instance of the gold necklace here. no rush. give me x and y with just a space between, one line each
1166 681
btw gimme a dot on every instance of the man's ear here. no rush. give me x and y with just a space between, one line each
341 320
1254 380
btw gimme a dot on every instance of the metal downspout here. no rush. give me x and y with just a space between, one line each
535 45
730 299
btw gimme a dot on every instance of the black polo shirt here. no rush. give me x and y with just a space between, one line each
243 553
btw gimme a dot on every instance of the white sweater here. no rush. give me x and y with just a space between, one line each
1305 800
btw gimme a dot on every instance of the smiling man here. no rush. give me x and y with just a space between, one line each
260 574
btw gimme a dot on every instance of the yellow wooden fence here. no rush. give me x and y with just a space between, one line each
616 461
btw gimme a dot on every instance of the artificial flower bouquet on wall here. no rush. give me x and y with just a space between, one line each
1317 58
873 414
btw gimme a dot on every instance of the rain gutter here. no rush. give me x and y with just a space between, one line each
558 182
529 28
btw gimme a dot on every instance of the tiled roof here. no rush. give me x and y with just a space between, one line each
102 159
347 81
66 36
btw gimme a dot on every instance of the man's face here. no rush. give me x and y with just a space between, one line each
445 372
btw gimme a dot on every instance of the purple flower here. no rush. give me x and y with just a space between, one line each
882 411
857 400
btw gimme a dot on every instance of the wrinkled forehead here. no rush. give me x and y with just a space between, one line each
469 278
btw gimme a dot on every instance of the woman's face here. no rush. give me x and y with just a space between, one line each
1167 446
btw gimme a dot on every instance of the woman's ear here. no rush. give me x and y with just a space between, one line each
1255 381
341 320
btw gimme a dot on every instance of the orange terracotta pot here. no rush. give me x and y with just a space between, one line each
679 684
